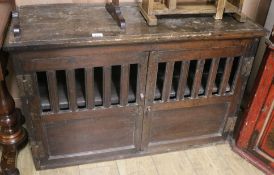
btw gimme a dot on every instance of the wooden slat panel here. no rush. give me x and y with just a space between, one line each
53 94
89 86
71 88
212 76
167 81
124 87
183 80
198 78
107 86
226 75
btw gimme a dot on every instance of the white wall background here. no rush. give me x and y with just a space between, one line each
270 18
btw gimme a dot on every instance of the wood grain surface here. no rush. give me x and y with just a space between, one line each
218 159
77 23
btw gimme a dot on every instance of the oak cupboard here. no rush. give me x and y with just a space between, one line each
94 92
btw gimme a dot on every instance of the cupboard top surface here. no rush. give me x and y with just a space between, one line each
72 25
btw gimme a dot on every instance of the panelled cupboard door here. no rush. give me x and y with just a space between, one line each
91 104
189 96
264 145
255 140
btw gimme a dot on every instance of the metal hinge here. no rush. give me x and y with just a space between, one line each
25 85
16 24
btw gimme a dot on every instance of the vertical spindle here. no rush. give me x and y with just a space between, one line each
237 74
167 81
212 76
89 86
107 86
183 80
53 91
197 78
124 84
226 75
71 88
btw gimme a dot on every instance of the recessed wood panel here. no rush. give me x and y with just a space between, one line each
99 134
182 123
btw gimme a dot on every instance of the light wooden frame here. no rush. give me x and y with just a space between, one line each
150 9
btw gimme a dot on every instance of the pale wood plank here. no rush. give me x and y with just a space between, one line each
201 163
219 159
25 163
237 163
74 170
137 166
104 168
219 163
173 163
96 165
49 172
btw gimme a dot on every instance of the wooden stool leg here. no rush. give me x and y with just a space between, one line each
114 10
12 134
220 9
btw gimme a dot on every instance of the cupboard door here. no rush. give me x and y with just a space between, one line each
189 95
264 145
90 105
255 138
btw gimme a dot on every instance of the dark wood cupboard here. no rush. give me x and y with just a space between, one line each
127 93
